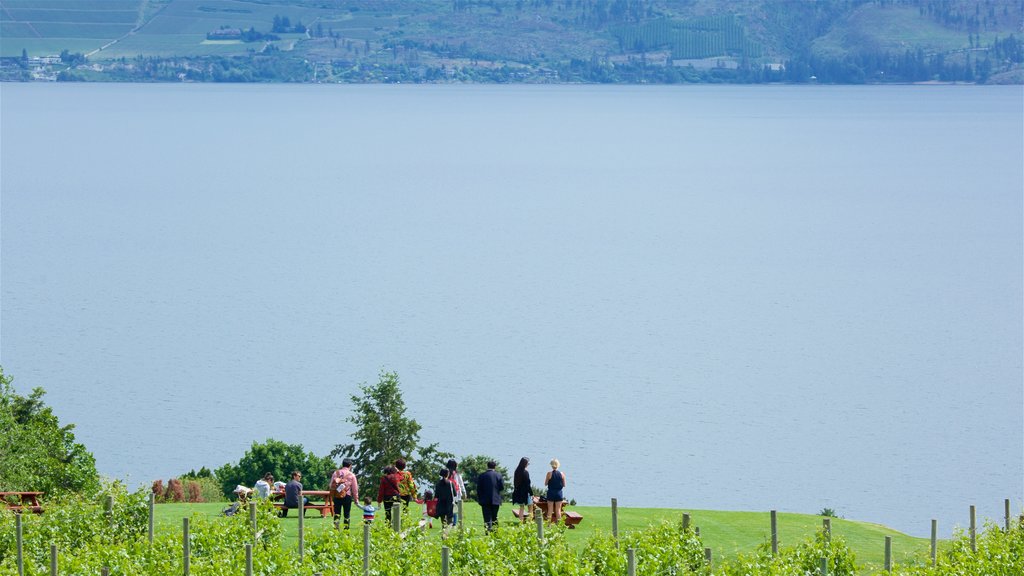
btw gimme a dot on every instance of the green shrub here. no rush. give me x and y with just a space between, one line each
999 553
804 558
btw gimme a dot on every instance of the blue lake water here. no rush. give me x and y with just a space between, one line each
741 298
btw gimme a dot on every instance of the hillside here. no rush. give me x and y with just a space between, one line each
843 41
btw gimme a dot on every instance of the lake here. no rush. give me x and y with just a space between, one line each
741 298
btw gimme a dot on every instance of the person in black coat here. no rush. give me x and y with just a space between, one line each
445 494
489 486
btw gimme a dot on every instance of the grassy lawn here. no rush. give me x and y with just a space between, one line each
726 533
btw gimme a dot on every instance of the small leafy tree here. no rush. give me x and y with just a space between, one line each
36 452
279 459
471 467
384 433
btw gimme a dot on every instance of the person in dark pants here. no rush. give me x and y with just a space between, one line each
387 492
444 491
293 493
488 493
344 490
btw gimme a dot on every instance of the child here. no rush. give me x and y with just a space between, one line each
368 510
427 521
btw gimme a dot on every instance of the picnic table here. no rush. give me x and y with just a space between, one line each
25 501
326 507
571 519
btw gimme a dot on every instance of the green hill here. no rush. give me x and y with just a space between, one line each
517 40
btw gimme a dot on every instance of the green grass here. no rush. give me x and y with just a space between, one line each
726 533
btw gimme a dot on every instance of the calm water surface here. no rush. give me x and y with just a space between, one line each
738 298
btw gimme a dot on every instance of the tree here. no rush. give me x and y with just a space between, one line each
384 433
36 452
279 459
472 466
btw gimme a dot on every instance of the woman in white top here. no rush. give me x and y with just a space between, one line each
263 486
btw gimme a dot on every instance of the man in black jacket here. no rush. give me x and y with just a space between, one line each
489 486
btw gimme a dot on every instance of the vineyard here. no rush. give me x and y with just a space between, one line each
705 37
78 538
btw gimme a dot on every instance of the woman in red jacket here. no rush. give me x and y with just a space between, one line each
387 492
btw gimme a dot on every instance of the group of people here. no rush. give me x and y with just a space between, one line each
397 487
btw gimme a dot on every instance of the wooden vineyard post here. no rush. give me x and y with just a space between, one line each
302 528
53 560
888 553
396 517
686 522
630 562
108 509
974 530
462 517
445 560
539 519
615 521
185 547
105 571
826 526
248 560
366 549
775 534
707 556
823 570
935 536
152 505
20 544
252 519
1006 512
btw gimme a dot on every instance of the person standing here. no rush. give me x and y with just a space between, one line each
444 491
293 494
522 492
460 487
555 481
387 492
488 493
344 491
406 485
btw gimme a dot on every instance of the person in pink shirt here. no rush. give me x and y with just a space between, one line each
344 490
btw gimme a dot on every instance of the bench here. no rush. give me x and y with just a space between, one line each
26 501
326 507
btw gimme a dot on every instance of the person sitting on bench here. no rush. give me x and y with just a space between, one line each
292 494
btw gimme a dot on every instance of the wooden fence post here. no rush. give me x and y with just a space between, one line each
186 549
974 530
686 522
888 553
775 534
53 560
248 559
630 562
826 526
1006 506
105 571
366 549
696 531
252 519
707 556
396 517
615 521
539 519
823 571
445 560
20 543
935 537
152 505
302 528
108 509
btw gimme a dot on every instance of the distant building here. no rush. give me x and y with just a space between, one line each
225 34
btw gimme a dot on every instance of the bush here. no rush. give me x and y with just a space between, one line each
999 553
804 558
279 459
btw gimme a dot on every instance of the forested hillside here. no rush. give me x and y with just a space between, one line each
656 41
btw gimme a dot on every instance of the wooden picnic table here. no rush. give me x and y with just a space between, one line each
571 519
326 507
26 501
